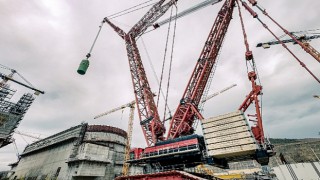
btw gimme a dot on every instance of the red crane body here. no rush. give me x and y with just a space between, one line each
187 111
253 96
152 127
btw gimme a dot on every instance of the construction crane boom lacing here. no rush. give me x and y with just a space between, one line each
182 121
152 127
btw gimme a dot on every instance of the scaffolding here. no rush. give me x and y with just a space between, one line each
11 113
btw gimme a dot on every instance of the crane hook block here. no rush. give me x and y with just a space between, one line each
83 66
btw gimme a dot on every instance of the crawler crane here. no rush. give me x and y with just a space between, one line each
181 147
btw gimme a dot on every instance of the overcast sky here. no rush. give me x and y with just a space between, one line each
46 40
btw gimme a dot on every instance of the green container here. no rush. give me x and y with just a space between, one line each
83 66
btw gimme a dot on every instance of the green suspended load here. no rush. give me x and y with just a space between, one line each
83 66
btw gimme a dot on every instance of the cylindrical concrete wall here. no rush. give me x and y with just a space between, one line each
97 152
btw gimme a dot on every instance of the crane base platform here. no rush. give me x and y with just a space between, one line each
178 153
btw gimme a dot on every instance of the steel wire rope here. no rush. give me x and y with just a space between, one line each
152 67
131 11
16 148
164 57
128 9
14 71
170 65
23 138
25 79
266 27
5 67
95 40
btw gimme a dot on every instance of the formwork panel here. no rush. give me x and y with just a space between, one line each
229 135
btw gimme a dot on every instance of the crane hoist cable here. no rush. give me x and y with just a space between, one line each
170 66
85 62
164 58
127 11
95 40
153 70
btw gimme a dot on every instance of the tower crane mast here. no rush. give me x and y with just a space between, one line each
187 111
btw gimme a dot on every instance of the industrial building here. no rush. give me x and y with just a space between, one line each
80 152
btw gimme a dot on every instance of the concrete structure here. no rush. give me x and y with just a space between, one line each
308 150
305 171
89 152
229 135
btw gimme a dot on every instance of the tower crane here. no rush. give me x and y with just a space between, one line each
302 38
6 78
217 93
131 105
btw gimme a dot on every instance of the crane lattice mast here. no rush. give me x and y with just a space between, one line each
152 127
187 111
